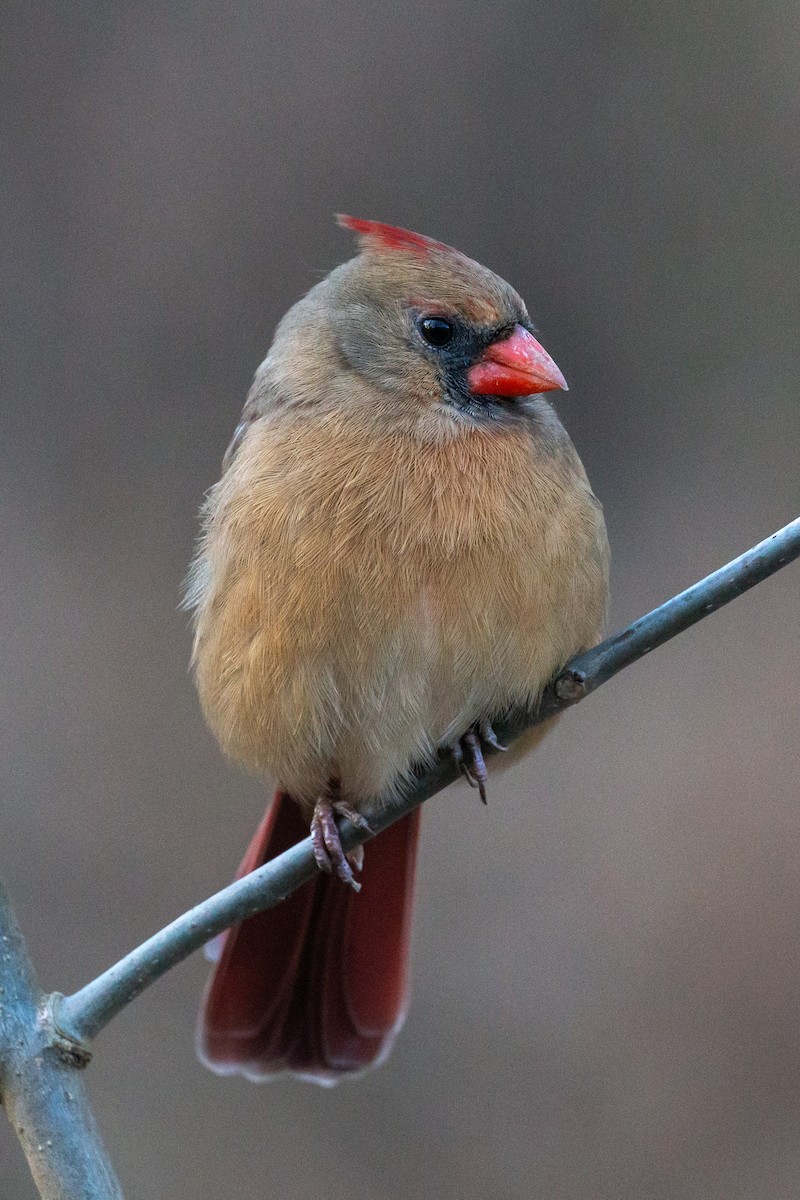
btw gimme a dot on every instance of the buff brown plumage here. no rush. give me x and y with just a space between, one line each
403 545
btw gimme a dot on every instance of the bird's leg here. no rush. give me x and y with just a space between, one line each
467 754
328 850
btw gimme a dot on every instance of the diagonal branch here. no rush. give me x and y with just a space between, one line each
84 1014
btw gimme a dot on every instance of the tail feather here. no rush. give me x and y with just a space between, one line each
316 986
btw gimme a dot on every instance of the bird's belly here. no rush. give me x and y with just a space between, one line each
355 637
366 683
447 665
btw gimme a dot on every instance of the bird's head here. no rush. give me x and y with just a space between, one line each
429 330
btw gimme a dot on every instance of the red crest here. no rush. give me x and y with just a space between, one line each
391 237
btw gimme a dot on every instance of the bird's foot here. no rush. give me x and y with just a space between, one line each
328 849
467 754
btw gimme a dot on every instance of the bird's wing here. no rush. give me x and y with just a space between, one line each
250 414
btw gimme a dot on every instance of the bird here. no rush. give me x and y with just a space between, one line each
403 546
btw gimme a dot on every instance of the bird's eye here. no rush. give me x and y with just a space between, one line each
436 331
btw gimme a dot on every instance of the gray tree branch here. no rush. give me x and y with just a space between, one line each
44 1040
43 1094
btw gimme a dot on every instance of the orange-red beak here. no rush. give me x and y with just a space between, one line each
516 366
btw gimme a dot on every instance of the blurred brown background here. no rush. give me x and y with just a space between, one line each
607 960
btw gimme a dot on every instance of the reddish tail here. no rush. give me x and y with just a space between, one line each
316 986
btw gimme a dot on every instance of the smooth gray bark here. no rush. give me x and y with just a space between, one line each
41 1086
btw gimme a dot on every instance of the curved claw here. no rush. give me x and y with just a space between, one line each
457 755
477 765
488 735
356 858
353 816
467 754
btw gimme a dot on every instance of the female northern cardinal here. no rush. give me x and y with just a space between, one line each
403 544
